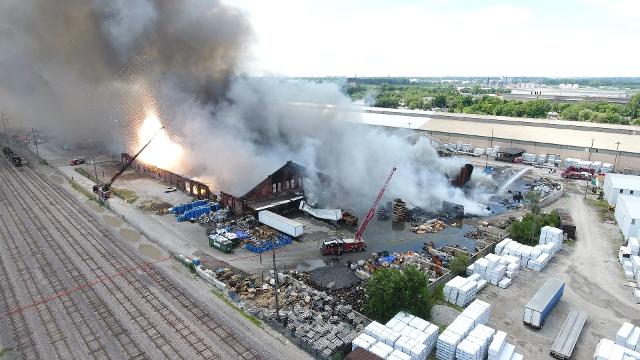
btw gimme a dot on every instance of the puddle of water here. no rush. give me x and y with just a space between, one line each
383 235
151 251
112 220
130 235
309 265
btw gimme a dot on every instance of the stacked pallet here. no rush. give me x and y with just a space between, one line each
461 291
399 211
495 268
499 349
404 337
536 257
629 336
476 344
475 314
608 350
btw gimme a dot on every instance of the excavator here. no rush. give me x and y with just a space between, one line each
104 192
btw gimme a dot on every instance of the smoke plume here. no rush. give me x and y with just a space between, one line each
87 69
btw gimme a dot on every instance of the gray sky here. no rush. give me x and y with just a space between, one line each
444 37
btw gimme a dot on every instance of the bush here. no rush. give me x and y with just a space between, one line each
521 231
459 264
389 291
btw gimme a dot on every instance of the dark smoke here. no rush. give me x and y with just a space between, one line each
79 68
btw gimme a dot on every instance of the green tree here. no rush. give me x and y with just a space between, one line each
459 264
633 107
439 101
527 230
389 291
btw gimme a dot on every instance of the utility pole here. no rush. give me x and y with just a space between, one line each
35 141
615 162
95 170
4 122
590 148
275 275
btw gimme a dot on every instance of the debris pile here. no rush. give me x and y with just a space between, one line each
545 186
431 226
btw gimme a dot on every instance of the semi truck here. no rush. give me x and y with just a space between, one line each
541 304
280 223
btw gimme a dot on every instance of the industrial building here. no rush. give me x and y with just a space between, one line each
191 186
569 95
279 192
616 185
628 215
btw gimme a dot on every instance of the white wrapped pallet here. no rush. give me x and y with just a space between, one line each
633 245
468 350
363 341
517 356
381 349
497 344
375 330
608 350
623 333
632 340
446 345
501 245
419 323
507 352
504 283
469 270
398 355
481 284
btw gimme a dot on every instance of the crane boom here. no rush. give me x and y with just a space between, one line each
107 186
372 211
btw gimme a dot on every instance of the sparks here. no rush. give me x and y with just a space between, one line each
162 152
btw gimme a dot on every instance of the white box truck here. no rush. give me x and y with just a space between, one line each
280 223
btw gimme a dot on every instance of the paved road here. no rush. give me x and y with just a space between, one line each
70 289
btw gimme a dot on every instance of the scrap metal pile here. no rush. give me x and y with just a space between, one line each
545 186
322 322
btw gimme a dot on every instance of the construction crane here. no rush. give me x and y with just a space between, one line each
338 246
103 191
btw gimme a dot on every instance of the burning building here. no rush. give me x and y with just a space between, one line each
280 192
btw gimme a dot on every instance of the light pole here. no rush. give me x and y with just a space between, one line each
275 276
35 141
615 162
4 122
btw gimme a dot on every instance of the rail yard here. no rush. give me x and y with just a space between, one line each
72 289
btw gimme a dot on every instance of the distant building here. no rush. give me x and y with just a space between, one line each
628 215
616 185
569 93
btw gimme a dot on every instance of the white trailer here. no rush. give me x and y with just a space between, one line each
280 223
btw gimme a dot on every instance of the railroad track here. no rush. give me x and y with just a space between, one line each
68 219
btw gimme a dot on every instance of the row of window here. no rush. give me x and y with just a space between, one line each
630 191
288 184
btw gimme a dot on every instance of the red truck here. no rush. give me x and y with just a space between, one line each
573 172
339 246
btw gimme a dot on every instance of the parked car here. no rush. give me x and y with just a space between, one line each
169 189
76 162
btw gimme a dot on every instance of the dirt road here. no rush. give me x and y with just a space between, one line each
594 283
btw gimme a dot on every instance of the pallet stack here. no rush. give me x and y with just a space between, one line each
404 337
499 349
475 314
461 291
476 344
399 211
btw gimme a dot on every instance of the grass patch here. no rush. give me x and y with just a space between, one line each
82 190
442 328
85 173
602 207
453 306
129 196
252 319
4 351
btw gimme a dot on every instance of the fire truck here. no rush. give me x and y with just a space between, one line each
339 246
579 173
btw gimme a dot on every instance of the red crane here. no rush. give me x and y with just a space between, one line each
372 211
338 246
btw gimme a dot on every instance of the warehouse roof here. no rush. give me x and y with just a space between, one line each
627 182
632 204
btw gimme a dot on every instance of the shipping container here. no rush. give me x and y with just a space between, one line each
281 223
541 304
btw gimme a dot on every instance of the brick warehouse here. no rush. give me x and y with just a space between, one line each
192 187
280 192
